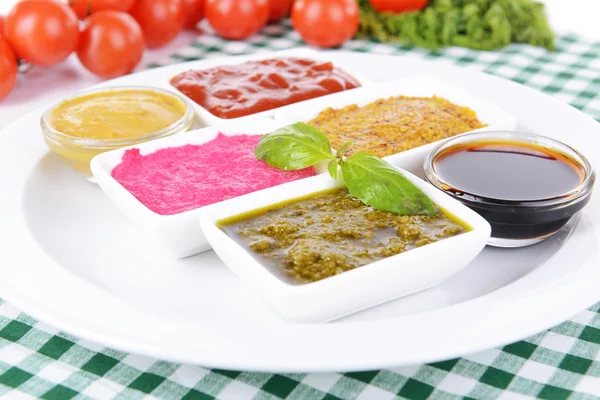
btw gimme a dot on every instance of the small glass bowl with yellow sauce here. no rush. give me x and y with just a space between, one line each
92 122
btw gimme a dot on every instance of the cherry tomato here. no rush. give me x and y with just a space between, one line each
8 69
84 8
161 20
193 12
42 32
2 19
237 19
111 44
278 9
325 23
398 6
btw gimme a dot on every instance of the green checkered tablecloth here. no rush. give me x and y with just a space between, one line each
38 361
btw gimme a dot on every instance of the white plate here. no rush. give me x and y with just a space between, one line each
69 258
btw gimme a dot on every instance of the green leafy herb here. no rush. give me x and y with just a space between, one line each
343 149
372 180
294 147
383 187
332 168
480 25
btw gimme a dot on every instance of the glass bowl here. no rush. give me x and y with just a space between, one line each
77 152
518 223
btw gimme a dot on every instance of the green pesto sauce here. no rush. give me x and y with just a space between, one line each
324 234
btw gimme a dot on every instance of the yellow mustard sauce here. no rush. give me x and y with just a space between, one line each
110 119
116 114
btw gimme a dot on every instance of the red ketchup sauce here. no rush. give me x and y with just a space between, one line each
234 91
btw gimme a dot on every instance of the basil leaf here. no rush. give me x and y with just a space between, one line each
343 148
332 168
294 147
383 187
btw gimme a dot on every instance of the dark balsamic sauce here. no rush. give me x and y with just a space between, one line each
512 185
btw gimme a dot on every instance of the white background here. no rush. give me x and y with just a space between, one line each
42 86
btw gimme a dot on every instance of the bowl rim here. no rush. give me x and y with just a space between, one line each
581 191
417 85
51 133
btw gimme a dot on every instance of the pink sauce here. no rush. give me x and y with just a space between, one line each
178 179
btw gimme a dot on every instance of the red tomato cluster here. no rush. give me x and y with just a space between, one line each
109 36
325 23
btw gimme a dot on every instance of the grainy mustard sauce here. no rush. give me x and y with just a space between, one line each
395 124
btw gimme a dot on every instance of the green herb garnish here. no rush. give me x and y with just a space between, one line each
372 180
332 168
383 187
294 147
479 25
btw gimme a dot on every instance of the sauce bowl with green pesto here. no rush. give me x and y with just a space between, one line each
315 253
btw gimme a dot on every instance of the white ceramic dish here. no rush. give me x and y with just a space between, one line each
207 118
71 259
179 234
355 290
488 113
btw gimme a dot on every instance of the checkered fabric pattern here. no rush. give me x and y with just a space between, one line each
37 361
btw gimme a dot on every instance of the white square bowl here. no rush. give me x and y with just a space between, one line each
206 118
331 298
180 233
488 113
